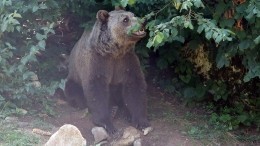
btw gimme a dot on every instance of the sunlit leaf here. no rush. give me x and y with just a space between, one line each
159 38
124 3
200 29
17 15
257 40
198 3
131 2
177 4
35 8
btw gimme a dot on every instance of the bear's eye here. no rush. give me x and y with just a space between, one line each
126 19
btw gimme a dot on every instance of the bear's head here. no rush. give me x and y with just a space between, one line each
112 31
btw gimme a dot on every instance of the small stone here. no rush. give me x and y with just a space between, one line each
36 84
131 131
130 135
21 111
100 134
34 77
124 142
67 135
138 142
41 132
147 130
85 114
102 143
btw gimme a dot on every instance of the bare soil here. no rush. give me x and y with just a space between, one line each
167 129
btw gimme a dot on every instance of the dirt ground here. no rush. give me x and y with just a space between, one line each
166 119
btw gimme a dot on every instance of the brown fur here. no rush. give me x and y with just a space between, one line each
105 71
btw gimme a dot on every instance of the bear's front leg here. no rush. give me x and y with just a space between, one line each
74 94
96 92
134 92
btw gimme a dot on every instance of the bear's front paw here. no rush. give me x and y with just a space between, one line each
110 129
141 123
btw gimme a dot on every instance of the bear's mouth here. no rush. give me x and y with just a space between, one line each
139 33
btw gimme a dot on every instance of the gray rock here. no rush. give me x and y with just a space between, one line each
147 130
100 134
36 84
137 142
67 135
129 137
131 132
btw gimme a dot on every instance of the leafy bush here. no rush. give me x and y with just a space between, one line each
24 28
212 46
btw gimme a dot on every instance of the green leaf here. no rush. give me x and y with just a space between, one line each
186 78
200 90
248 76
35 8
245 44
149 44
133 28
225 118
186 5
191 26
215 35
174 32
28 75
242 118
222 60
218 39
198 3
177 4
257 40
124 3
158 38
42 6
2 98
62 84
4 26
221 7
200 29
208 35
131 2
179 38
186 24
17 15
42 44
40 36
227 23
189 92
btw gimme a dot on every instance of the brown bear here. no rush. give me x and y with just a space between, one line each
104 71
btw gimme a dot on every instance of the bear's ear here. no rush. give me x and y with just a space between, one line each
102 15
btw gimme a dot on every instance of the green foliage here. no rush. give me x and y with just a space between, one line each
11 138
10 135
25 27
229 33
